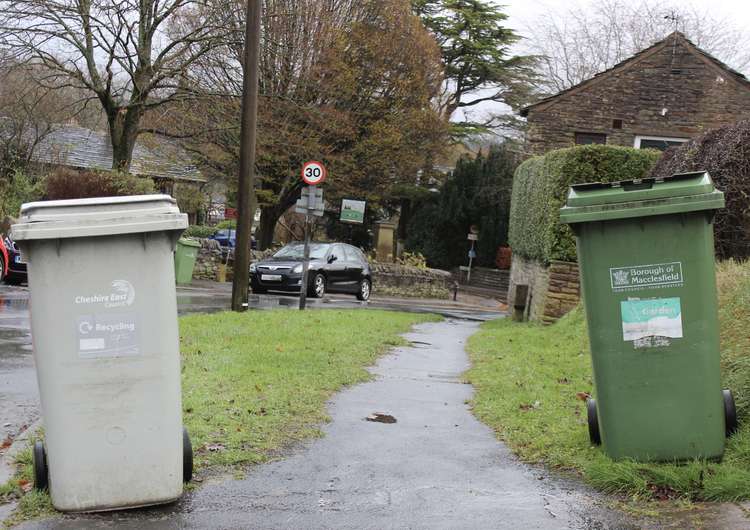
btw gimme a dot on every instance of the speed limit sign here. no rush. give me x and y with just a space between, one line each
313 173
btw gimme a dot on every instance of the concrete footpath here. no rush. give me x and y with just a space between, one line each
436 467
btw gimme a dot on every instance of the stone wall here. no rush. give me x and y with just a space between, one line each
669 90
553 290
392 279
209 258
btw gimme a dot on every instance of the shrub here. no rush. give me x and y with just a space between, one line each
540 187
477 193
227 223
19 187
725 154
66 183
190 198
199 231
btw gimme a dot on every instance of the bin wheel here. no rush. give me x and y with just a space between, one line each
187 457
41 475
593 421
730 413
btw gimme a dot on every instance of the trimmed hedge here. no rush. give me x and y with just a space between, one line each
725 154
540 187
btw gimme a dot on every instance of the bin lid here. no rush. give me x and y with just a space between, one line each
189 242
598 201
101 216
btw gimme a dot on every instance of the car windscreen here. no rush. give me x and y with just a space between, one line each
297 251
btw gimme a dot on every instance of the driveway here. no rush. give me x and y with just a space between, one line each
436 467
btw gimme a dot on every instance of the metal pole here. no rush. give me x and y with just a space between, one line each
471 253
305 263
245 192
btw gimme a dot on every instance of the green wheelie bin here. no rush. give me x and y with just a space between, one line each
185 254
646 256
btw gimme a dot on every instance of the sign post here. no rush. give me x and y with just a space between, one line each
310 203
473 237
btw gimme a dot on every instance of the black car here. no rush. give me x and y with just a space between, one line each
334 267
16 272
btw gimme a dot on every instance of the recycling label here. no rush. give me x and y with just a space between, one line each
657 317
108 335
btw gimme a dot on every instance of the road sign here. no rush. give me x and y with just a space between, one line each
313 173
473 237
311 202
352 211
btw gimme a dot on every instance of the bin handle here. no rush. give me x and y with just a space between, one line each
634 185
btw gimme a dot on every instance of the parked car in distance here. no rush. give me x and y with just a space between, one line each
334 267
14 271
227 237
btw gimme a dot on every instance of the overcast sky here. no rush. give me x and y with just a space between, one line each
523 13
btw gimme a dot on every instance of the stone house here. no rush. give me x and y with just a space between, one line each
661 96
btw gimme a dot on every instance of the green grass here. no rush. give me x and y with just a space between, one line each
254 383
527 378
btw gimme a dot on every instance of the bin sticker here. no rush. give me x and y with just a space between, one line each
121 294
658 317
639 277
108 335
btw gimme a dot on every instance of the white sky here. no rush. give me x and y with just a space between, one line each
522 14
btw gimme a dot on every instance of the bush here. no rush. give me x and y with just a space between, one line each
540 187
190 198
66 183
227 223
18 188
725 154
477 193
199 231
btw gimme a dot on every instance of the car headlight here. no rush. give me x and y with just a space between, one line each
252 267
297 269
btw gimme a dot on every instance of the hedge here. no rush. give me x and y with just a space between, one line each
540 187
725 154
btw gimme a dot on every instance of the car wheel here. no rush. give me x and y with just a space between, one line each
2 268
363 293
318 286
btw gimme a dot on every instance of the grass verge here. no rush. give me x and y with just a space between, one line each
253 383
527 378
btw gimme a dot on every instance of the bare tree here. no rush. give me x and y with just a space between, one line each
129 54
576 43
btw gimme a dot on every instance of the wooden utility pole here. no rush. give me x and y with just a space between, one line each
246 203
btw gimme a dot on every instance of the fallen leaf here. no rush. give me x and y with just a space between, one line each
25 485
381 417
583 396
6 443
563 381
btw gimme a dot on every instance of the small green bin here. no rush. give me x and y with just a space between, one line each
185 255
646 256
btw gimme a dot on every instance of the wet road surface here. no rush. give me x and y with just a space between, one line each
436 467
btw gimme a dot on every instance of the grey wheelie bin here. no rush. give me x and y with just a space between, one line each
106 347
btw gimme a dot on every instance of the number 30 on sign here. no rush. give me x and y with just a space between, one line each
313 173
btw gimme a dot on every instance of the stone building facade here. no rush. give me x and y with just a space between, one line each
553 290
663 95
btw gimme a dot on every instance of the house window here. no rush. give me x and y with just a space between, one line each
662 143
590 138
617 124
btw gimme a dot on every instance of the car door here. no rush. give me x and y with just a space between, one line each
336 268
354 267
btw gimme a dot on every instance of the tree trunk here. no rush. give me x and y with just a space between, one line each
123 132
269 216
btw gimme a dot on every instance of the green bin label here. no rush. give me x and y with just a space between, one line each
658 317
646 276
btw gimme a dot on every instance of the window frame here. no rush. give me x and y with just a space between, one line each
639 137
576 134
